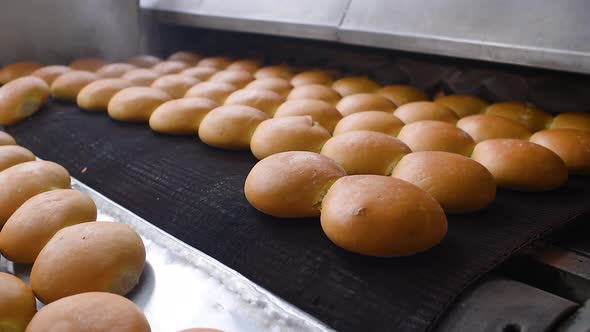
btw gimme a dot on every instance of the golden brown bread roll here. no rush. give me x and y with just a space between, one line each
530 116
230 126
17 303
280 71
352 85
50 73
486 126
20 98
571 120
248 65
436 136
322 77
23 181
263 100
6 139
237 78
144 61
463 105
90 312
114 70
200 73
381 216
362 102
218 62
88 257
11 155
425 110
67 86
185 56
275 84
181 116
458 183
136 104
170 67
365 152
141 76
315 91
216 91
320 111
96 95
291 184
87 64
17 70
382 122
291 133
175 85
521 165
571 145
35 222
401 94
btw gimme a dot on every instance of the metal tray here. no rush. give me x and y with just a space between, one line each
181 287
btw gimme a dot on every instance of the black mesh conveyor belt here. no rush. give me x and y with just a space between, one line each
195 193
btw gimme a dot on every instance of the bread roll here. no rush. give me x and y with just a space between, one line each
114 70
141 76
6 139
291 133
23 181
11 155
381 216
185 56
400 94
218 92
463 105
181 116
175 85
320 111
365 152
353 85
35 222
458 183
230 126
378 121
17 303
571 145
90 312
520 165
436 136
263 100
136 104
50 73
425 110
486 126
17 70
248 65
362 102
237 78
88 257
200 73
96 95
291 184
21 98
274 71
531 117
322 77
315 91
218 62
88 64
580 121
170 67
144 61
67 86
275 84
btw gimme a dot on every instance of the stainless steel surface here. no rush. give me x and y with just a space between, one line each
182 287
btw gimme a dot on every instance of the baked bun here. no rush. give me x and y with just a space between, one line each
17 303
141 76
425 110
400 94
291 184
382 122
90 312
175 85
571 120
200 73
11 155
96 95
144 61
530 116
67 86
362 102
35 222
280 71
264 100
315 91
88 257
291 133
181 116
136 104
237 78
458 183
275 84
322 77
6 139
463 105
170 67
230 126
521 165
218 62
185 56
571 145
248 65
486 126
20 98
114 70
381 216
365 152
50 73
436 136
87 64
320 111
17 70
218 92
352 85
